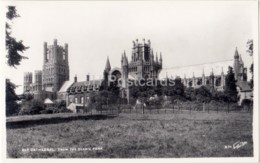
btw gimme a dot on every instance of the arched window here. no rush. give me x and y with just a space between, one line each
218 81
190 83
199 82
63 56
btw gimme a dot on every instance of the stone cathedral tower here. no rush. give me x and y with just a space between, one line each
55 66
124 77
143 63
239 69
27 82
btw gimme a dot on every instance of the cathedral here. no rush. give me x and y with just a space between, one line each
212 74
48 81
53 81
143 65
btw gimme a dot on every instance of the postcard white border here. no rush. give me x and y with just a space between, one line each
194 160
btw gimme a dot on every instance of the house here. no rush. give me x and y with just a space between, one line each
244 91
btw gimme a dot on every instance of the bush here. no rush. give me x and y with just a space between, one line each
57 110
32 107
104 97
37 106
247 104
60 104
47 111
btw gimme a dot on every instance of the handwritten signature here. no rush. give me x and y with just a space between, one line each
236 145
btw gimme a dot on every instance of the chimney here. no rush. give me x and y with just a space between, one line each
75 79
87 77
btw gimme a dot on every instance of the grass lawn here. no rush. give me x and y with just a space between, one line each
136 136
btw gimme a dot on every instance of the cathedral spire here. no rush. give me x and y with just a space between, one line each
125 60
108 67
241 61
212 73
122 57
161 57
156 58
236 54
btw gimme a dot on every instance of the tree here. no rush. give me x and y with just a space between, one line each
250 47
231 89
13 47
27 96
203 94
176 91
250 50
219 96
11 98
32 107
190 94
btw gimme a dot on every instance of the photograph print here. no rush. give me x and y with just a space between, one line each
130 79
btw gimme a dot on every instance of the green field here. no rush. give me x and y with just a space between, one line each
136 136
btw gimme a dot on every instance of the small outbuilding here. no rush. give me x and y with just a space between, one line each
48 103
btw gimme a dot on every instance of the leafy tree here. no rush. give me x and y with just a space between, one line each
178 88
32 107
144 90
27 96
252 71
11 98
250 50
176 91
61 104
113 87
190 94
250 47
203 94
104 97
219 96
231 89
14 48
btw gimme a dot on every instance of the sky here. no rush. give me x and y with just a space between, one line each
186 33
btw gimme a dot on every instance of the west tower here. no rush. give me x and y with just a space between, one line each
55 66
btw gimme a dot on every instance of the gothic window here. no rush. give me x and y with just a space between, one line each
207 82
76 100
146 54
48 54
190 83
82 100
218 81
63 56
199 82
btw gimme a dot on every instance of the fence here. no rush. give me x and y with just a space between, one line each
187 107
